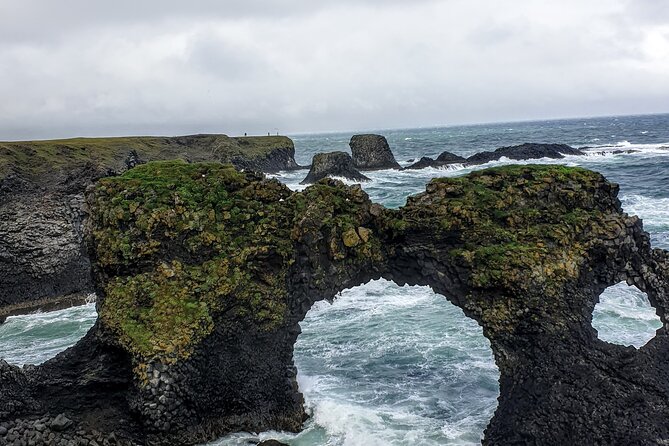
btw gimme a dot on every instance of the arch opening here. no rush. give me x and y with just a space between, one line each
395 365
625 316
36 338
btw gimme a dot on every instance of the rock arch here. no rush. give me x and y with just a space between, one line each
204 273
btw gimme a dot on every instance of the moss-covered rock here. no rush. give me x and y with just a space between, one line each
204 274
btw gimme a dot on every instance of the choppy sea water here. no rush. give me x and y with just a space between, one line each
390 365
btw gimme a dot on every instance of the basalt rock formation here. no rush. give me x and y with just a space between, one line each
372 152
203 274
42 255
334 164
525 151
445 159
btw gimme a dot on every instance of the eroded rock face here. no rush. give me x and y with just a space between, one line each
372 152
334 164
204 273
42 254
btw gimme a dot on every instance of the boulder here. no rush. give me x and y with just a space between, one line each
333 164
372 152
525 151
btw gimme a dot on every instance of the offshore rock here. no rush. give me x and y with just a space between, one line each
372 152
445 159
42 254
525 151
203 274
334 164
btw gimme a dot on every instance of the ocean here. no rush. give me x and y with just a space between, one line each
390 365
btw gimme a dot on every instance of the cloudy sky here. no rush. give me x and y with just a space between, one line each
82 67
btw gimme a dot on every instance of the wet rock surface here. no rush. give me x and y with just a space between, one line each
334 164
372 152
202 287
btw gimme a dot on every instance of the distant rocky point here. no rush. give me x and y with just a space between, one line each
525 151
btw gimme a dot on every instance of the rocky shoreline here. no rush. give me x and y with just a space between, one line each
203 282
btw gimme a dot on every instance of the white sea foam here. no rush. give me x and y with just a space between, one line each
653 211
624 316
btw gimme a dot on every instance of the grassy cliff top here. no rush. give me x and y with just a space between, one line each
34 159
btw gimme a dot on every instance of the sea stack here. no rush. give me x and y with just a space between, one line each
372 152
333 164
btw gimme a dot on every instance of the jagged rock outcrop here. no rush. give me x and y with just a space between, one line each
525 151
42 255
444 159
204 273
372 152
334 164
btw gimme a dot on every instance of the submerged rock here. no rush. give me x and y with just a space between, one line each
334 164
372 152
525 151
204 273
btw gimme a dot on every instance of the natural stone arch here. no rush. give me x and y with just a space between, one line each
203 274
625 317
373 343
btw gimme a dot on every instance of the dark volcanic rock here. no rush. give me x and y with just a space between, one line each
271 443
444 159
199 307
525 152
334 164
371 152
42 255
450 158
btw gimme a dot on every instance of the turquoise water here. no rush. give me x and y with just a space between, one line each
390 365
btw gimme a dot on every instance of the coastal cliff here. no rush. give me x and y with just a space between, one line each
203 274
42 255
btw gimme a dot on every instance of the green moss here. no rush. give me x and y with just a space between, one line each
519 230
230 232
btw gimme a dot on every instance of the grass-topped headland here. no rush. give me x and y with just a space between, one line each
35 159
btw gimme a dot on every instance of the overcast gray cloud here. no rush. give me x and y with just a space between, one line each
76 67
